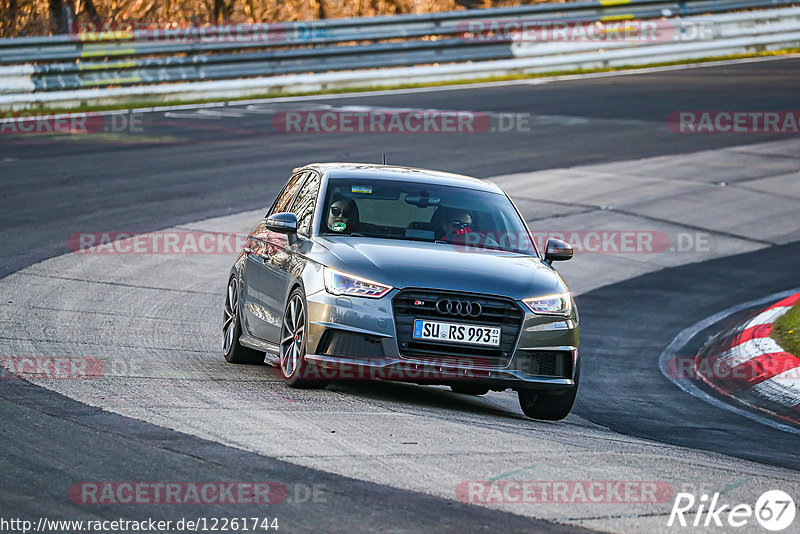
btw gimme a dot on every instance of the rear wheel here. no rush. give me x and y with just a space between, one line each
548 406
469 389
297 373
232 330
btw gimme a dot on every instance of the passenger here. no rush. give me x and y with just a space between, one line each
448 222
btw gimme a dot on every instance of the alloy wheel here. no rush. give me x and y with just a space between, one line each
229 316
292 336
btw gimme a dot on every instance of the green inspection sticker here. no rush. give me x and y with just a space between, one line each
361 189
338 227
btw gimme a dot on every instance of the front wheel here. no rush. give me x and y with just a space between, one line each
297 373
548 406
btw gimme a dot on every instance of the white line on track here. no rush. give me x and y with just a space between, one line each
683 337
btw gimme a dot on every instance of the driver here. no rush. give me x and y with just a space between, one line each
343 215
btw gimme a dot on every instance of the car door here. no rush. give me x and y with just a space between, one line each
263 312
255 313
283 261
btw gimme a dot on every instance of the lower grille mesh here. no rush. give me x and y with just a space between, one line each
555 363
350 345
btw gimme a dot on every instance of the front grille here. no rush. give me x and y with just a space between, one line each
411 304
551 363
345 344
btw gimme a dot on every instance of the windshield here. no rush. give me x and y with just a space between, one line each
424 212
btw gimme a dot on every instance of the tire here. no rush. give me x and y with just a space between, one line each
294 368
469 389
549 407
232 329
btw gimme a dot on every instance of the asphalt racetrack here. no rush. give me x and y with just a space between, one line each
597 154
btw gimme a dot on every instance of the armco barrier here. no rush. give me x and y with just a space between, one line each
373 51
123 43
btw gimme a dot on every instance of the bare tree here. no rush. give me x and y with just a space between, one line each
474 4
318 9
90 11
56 9
8 18
223 10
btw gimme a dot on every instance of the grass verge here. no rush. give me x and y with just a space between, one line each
786 331
153 103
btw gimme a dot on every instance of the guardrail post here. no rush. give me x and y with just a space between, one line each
66 19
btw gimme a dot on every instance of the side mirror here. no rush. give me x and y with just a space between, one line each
557 250
284 223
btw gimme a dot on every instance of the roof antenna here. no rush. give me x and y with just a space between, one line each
384 158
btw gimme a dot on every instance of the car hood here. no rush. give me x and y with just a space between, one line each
404 264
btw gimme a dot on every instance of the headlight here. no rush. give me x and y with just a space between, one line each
560 304
339 283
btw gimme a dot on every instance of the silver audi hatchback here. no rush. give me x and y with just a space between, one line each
365 271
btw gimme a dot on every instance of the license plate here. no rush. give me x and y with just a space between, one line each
457 333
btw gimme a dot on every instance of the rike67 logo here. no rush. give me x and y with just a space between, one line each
774 510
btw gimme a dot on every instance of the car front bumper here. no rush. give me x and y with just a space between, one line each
374 320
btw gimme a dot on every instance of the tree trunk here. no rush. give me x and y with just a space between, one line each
56 9
474 4
91 11
222 10
318 9
9 20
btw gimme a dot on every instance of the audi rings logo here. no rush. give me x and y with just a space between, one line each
464 308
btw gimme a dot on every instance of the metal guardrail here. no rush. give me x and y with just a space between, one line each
80 46
87 60
399 26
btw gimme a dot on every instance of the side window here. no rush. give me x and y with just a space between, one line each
287 195
305 204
